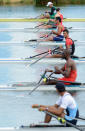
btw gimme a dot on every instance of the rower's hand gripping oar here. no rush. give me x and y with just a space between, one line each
39 83
43 56
46 35
64 121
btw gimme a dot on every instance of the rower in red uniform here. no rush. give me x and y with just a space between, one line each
68 71
69 44
52 22
58 14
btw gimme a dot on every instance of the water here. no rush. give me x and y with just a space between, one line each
73 11
15 107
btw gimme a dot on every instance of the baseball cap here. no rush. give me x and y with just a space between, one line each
49 3
60 87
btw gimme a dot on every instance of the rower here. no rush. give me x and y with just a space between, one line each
65 103
58 14
60 29
52 22
69 70
69 44
50 15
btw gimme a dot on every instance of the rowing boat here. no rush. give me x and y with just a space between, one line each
29 86
40 127
51 61
39 20
41 43
71 29
53 43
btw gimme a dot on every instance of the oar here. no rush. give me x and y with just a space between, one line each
39 83
73 83
78 118
38 54
70 124
39 59
37 16
40 25
77 57
46 36
43 56
82 118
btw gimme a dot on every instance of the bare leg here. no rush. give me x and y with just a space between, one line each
50 38
55 56
49 82
47 118
48 26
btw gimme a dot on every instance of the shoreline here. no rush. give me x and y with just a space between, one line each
39 2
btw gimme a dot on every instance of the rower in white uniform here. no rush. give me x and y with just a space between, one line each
65 107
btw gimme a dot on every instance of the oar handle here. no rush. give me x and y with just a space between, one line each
46 35
72 125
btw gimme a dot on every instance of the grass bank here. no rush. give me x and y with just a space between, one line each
15 2
42 2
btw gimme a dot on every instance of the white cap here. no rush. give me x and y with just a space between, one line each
49 3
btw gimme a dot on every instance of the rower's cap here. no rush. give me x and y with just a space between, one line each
49 3
60 87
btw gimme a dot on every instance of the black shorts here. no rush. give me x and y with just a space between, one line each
74 122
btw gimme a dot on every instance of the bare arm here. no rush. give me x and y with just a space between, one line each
58 32
58 71
66 72
44 106
56 111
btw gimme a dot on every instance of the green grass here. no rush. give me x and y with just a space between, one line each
21 2
60 2
43 2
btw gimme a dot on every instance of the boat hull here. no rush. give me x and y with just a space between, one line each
28 61
36 30
29 86
40 128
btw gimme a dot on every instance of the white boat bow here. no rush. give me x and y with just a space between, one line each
28 61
